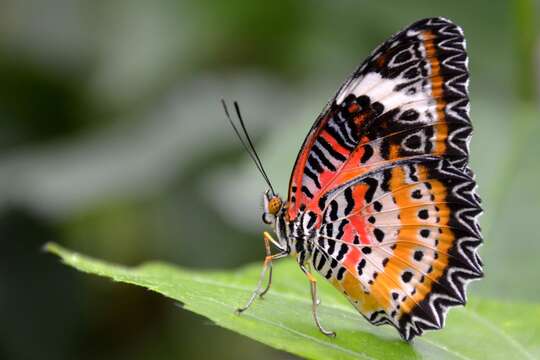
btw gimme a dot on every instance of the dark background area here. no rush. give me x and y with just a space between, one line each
113 143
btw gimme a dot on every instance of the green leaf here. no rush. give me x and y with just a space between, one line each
485 329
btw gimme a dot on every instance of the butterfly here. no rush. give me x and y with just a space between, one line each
381 200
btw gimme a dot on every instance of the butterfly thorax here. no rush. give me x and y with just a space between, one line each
299 233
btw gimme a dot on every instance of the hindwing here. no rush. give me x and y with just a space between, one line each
403 239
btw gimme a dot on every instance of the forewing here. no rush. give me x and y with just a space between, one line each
401 242
408 99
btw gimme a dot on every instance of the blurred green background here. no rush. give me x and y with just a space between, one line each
113 143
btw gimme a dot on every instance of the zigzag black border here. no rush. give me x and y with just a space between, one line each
464 263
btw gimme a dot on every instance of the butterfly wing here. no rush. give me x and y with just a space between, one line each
409 98
385 167
400 242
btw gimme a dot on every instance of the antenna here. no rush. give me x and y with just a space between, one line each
248 145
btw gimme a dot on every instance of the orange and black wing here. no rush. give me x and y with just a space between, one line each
401 242
385 164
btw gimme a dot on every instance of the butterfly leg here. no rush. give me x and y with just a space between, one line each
315 300
267 239
267 266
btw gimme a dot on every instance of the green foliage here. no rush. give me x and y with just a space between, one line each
485 329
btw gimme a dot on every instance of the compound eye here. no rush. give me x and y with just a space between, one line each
267 218
274 205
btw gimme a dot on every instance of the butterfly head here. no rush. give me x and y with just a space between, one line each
272 207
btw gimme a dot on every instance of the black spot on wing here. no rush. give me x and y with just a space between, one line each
341 228
379 234
340 273
312 219
306 192
406 276
350 201
321 262
360 266
372 187
413 142
333 213
322 202
409 115
331 246
423 214
368 153
342 252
